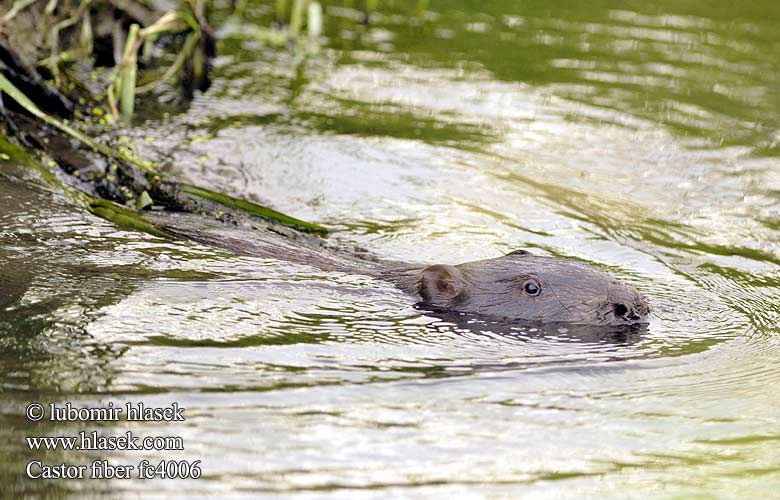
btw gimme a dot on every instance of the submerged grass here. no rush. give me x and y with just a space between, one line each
121 216
252 208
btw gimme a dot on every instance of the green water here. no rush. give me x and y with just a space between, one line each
640 138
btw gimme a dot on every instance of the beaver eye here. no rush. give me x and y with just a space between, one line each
532 288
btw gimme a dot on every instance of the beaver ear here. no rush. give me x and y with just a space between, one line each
519 252
440 284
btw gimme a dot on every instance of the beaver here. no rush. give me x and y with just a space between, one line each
524 286
518 286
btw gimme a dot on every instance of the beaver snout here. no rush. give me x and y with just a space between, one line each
625 312
628 304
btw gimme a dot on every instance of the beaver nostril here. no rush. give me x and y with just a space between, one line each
621 310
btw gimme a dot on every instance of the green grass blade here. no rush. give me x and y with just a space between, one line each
252 208
121 216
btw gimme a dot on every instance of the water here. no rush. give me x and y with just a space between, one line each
640 138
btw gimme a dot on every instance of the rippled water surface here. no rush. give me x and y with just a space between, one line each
641 138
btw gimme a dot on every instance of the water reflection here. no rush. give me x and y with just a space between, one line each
518 331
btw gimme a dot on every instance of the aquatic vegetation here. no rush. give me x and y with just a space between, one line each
252 208
130 180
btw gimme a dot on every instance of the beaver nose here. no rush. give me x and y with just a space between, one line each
625 312
628 304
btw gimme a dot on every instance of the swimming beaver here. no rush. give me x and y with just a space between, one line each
517 286
524 286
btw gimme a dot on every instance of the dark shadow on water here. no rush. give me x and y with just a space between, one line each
13 283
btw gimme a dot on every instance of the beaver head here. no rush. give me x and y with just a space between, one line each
523 286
